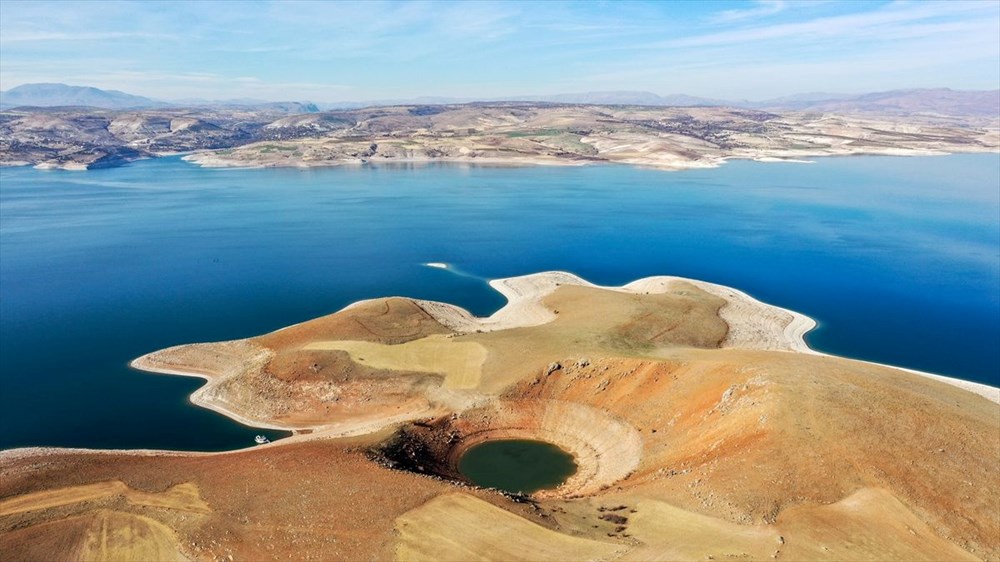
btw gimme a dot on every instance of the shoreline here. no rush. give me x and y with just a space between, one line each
802 324
206 159
523 309
204 397
753 324
198 396
777 329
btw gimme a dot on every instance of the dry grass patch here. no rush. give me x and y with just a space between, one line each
461 527
183 497
460 362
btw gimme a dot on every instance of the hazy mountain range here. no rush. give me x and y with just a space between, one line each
63 95
934 101
60 95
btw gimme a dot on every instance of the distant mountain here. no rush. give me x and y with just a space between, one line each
694 101
290 107
250 104
625 97
58 95
421 100
944 101
62 95
602 98
206 101
803 99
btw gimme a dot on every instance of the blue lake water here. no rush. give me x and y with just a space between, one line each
897 258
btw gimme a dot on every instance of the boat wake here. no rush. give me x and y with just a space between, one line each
454 270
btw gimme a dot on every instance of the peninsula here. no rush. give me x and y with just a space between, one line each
701 425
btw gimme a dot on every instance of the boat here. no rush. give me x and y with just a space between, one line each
260 440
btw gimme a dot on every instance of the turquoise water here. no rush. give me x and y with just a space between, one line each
897 258
517 465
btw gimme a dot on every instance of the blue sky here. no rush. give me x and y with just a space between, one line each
339 51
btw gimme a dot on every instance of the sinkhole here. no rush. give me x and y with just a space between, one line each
530 447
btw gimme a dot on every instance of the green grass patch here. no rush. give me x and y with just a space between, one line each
266 148
535 133
570 142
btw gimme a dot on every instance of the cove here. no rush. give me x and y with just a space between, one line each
517 465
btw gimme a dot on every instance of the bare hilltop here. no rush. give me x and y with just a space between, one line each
702 428
611 127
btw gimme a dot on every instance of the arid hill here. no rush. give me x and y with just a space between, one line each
518 133
702 427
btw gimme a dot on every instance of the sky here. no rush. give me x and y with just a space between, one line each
327 51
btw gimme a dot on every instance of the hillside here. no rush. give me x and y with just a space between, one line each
521 133
942 101
701 426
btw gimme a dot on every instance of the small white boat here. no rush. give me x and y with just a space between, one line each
260 440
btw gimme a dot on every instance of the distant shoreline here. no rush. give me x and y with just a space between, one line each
208 160
202 159
499 134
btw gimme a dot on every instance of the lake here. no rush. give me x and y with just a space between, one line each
518 466
898 259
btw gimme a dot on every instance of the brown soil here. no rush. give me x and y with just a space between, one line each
314 500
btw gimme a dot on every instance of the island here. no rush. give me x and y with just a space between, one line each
699 424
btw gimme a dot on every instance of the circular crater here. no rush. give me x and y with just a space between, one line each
604 448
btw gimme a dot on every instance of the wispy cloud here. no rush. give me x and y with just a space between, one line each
50 36
763 8
873 23
380 49
253 50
